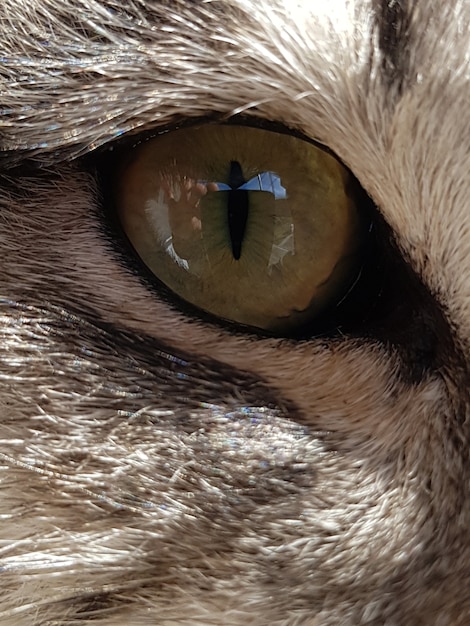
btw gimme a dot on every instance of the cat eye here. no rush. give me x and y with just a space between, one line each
252 226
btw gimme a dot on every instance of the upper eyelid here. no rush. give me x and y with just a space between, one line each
44 157
133 138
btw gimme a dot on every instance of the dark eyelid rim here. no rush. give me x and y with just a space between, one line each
132 139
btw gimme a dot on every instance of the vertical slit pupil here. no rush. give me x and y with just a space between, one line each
237 207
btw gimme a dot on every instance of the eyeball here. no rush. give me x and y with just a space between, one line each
253 226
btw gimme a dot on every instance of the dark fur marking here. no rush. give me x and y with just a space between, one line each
393 19
217 408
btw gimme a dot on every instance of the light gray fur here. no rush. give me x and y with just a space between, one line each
155 469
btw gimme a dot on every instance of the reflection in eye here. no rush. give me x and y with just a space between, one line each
253 226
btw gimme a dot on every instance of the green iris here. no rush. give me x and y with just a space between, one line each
253 226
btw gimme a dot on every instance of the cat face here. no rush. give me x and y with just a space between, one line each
159 464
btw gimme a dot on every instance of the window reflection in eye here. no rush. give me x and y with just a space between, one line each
184 224
253 226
